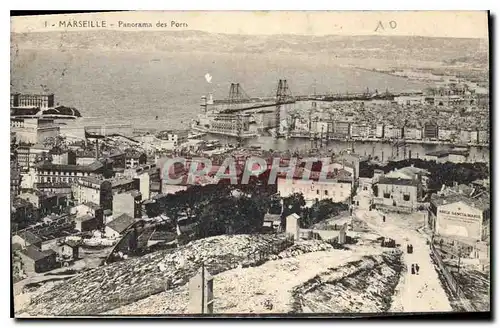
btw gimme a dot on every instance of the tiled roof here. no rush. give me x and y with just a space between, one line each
397 181
70 243
121 223
300 172
94 180
30 237
115 182
413 170
69 167
92 205
36 254
481 203
84 218
443 153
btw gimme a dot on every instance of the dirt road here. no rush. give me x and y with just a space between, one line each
415 293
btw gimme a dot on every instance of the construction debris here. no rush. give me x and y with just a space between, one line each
246 290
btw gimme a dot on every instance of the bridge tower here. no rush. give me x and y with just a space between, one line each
236 96
282 93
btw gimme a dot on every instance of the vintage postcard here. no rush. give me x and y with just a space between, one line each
300 163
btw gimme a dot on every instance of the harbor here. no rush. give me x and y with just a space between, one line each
248 168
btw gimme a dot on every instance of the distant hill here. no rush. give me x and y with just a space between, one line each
384 47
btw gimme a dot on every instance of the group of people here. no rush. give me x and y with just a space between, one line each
415 268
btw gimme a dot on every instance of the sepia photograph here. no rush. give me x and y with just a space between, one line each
250 164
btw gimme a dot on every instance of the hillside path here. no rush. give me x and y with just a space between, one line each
415 293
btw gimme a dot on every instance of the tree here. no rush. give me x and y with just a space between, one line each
321 211
216 209
58 142
440 173
292 204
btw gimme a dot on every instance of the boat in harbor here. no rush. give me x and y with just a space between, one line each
218 125
227 124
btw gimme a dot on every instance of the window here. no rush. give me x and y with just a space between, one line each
317 192
406 197
326 192
387 195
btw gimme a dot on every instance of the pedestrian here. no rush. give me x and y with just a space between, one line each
413 269
417 268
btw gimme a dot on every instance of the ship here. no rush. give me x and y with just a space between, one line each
240 116
218 123
222 122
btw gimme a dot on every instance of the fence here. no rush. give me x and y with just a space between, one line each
452 282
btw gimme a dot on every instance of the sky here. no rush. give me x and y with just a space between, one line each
461 24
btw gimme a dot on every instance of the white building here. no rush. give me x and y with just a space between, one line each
446 134
337 188
379 131
413 133
360 130
388 131
319 127
118 226
33 130
143 174
483 136
443 156
411 173
461 217
409 100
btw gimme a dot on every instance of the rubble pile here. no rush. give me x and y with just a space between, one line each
258 289
121 283
363 286
302 247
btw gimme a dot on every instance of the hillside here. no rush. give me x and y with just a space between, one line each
386 47
121 283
